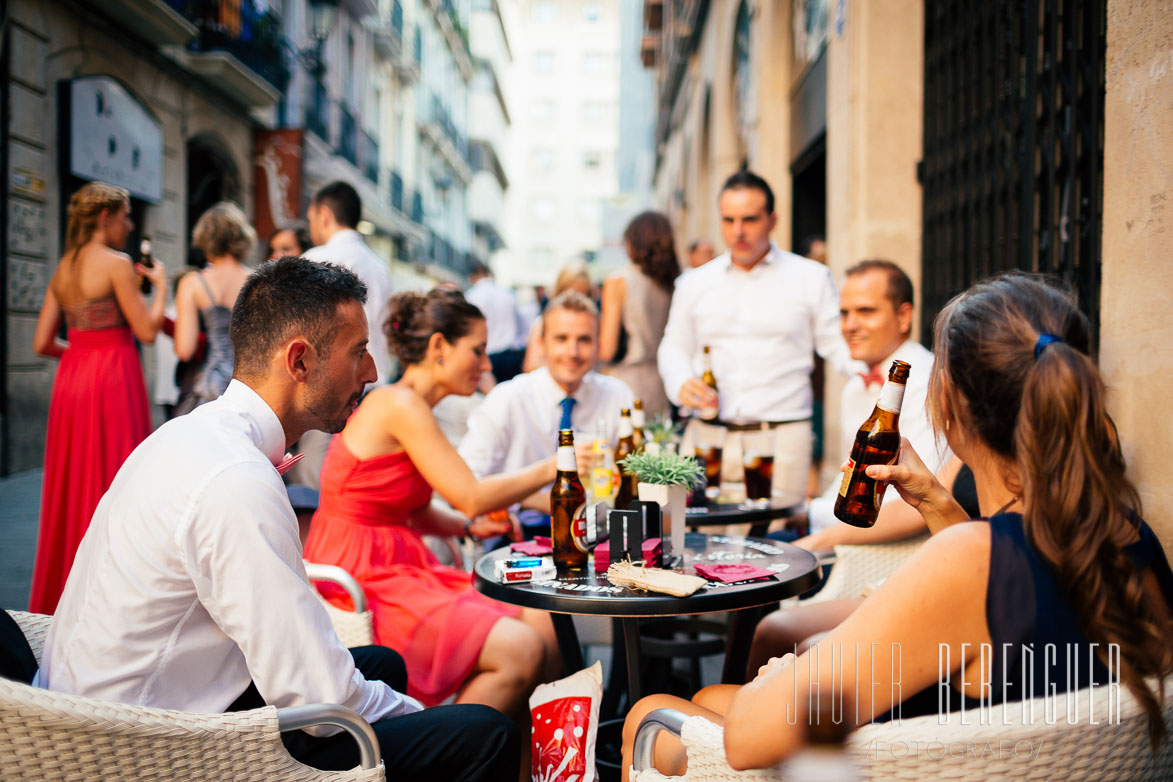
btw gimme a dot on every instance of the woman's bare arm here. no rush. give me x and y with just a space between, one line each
611 317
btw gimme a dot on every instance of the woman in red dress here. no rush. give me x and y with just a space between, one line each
98 412
377 483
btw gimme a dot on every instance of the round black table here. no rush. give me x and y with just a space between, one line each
724 513
588 592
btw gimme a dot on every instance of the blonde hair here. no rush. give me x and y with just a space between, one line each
224 230
571 276
86 206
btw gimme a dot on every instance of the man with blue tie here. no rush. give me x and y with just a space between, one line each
519 420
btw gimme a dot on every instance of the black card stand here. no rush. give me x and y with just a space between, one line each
626 535
650 516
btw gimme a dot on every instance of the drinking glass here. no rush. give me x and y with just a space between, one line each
757 456
708 444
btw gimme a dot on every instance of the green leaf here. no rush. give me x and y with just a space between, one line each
665 469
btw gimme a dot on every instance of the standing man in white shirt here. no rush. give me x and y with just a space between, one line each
333 216
189 592
519 420
764 313
875 316
502 319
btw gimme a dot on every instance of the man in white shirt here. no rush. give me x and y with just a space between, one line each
333 216
876 314
764 313
519 420
502 319
188 590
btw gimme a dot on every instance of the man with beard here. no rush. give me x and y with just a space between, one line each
188 591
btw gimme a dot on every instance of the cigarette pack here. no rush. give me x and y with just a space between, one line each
517 575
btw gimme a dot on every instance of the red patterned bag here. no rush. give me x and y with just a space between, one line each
565 718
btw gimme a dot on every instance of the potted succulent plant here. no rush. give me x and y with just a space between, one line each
666 478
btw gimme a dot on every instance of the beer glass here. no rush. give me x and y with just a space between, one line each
708 444
757 456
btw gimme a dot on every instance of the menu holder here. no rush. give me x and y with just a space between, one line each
650 515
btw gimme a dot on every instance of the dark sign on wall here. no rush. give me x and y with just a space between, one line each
278 178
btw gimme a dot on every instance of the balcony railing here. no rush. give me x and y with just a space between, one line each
369 155
237 28
347 135
441 117
417 207
396 191
317 112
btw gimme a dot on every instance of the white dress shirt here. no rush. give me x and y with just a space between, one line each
762 327
347 248
857 403
518 423
500 311
189 582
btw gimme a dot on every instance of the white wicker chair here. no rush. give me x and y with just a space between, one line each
357 627
51 736
858 566
1071 747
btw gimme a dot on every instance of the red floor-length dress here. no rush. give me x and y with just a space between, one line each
424 610
98 414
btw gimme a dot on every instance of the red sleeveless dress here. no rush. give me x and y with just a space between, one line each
98 414
426 611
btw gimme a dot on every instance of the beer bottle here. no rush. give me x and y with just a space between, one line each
709 412
638 422
624 448
876 442
568 508
145 258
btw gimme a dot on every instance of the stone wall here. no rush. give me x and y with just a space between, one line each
58 41
1136 352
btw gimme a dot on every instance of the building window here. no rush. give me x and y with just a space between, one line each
543 209
544 62
590 210
593 113
544 159
592 159
591 12
546 12
594 64
542 111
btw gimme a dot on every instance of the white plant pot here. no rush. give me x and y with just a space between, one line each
672 500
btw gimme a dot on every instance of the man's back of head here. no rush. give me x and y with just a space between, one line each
479 271
334 208
283 299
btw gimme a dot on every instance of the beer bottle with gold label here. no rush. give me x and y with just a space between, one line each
638 422
709 412
146 259
624 448
568 509
876 442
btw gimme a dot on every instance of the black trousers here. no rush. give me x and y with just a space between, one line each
467 743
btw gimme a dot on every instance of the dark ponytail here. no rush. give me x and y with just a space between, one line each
415 317
1041 404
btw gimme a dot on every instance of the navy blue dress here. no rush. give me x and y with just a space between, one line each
1028 613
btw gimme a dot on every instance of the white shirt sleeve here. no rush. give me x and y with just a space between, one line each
485 443
829 341
678 345
240 548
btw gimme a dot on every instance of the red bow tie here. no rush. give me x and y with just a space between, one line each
871 378
287 463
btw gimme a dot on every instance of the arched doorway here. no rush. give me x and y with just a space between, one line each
212 176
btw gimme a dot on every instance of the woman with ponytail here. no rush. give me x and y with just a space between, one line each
377 484
98 411
1060 560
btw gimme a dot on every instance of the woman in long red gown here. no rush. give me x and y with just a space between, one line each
377 483
98 411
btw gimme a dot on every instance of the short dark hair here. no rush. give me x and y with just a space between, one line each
283 298
899 285
301 235
342 201
748 179
479 270
415 317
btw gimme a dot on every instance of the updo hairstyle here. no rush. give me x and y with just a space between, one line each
86 206
415 317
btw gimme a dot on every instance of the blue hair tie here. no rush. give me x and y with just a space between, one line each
1043 341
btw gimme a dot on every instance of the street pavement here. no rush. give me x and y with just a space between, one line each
20 510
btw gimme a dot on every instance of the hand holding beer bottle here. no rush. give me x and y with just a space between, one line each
568 509
876 442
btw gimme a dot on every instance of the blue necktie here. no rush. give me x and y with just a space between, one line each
567 405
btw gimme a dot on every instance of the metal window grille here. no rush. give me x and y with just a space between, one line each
1013 145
